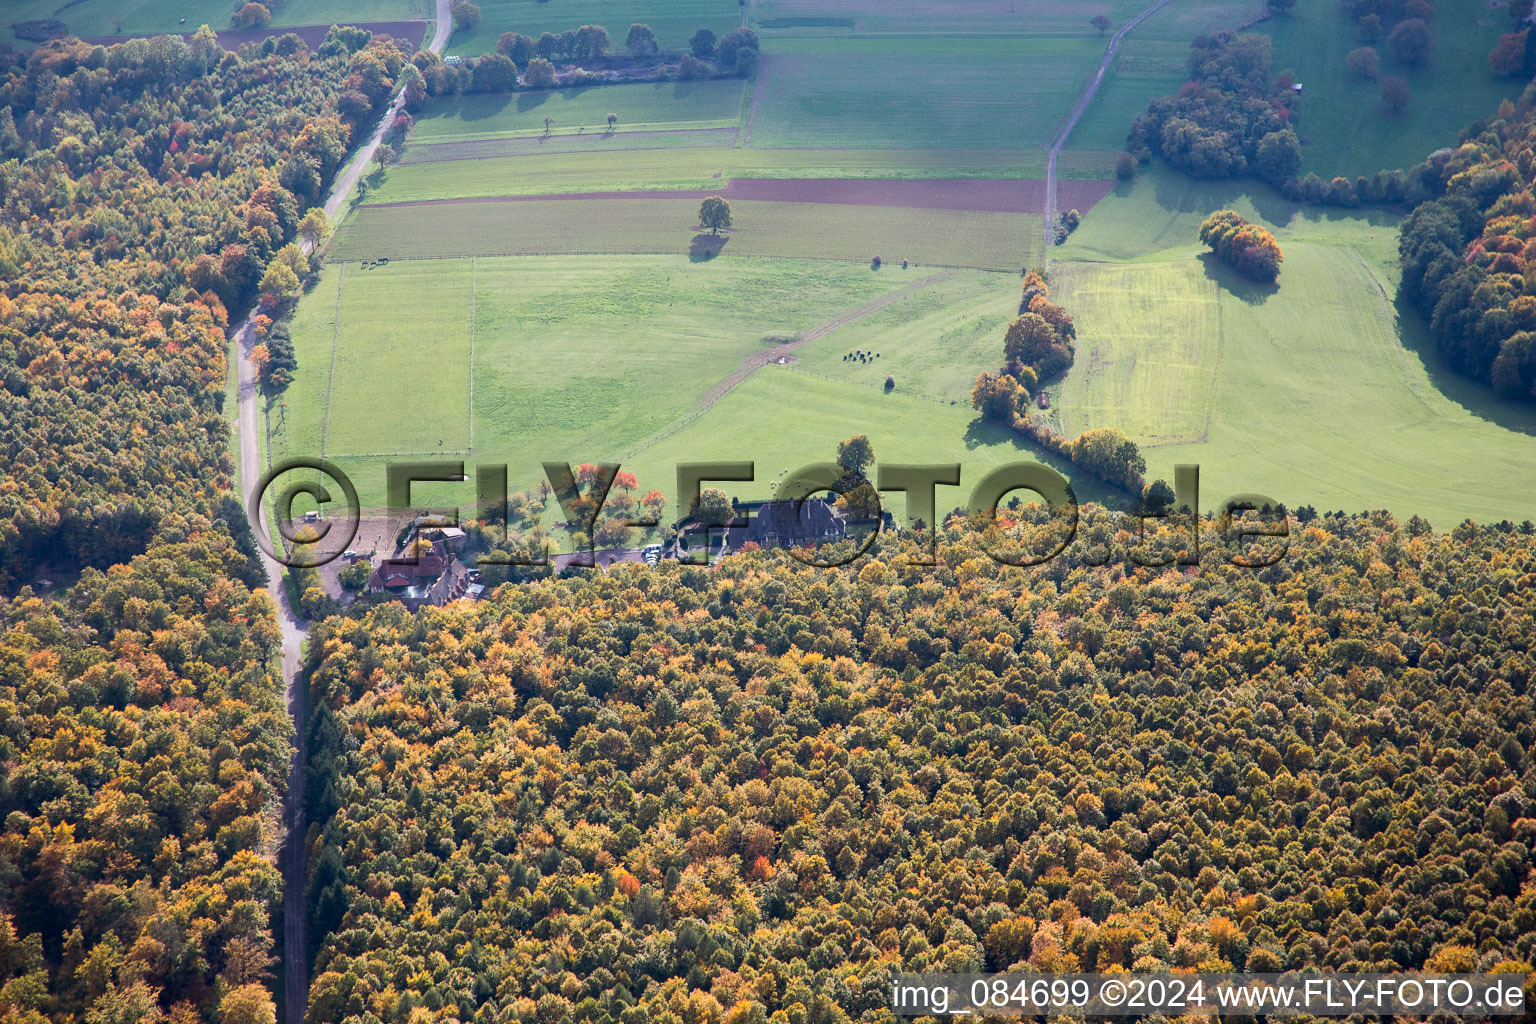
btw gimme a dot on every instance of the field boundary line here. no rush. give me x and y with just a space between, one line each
330 383
471 444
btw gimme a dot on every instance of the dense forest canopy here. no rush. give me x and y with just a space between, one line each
146 190
685 795
751 794
1466 256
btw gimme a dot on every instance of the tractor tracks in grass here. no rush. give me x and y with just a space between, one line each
751 364
1077 115
757 98
757 360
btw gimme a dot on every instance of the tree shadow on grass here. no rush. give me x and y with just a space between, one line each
980 433
706 247
1254 293
526 101
478 106
1176 191
1476 398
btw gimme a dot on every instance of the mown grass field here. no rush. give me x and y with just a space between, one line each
960 92
557 374
781 418
996 241
668 105
650 169
920 17
86 18
933 342
1149 352
673 21
1324 392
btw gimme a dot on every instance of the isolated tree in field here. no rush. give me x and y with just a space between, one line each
1508 56
641 41
702 45
495 72
1395 93
1125 166
613 119
1099 22
1411 42
1364 61
1369 27
1248 248
466 16
253 15
540 74
715 214
855 454
549 123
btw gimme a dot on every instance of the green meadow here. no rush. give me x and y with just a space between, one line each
387 367
668 105
1344 128
666 225
584 330
683 168
960 92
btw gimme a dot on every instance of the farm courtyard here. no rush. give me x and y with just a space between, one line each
530 281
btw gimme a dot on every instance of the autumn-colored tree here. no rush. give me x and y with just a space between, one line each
1395 93
1250 249
252 15
1412 42
1364 62
1508 55
466 16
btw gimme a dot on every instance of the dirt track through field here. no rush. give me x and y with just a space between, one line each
1077 114
758 360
